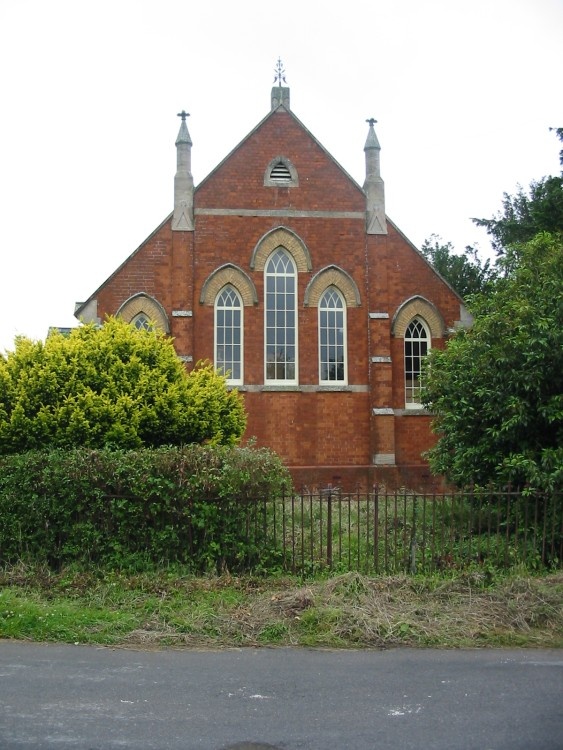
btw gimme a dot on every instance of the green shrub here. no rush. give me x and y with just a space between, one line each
196 505
111 386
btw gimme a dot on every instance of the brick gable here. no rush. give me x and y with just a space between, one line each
356 432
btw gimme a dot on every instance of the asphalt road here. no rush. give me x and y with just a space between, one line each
87 698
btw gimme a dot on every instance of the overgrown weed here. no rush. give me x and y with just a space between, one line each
170 607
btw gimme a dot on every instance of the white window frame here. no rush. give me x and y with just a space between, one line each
333 329
220 362
413 350
280 330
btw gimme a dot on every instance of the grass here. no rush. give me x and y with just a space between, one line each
401 532
170 608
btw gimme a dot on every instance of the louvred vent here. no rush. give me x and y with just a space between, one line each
280 173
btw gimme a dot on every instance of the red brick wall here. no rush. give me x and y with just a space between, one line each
147 270
322 435
238 182
311 429
238 238
305 428
409 274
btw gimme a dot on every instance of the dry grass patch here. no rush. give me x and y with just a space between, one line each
168 609
356 611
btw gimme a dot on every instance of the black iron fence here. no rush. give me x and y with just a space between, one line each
304 533
382 532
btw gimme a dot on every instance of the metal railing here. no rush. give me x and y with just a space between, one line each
302 533
382 532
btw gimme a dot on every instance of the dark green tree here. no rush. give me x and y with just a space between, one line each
465 273
523 215
559 134
111 386
496 390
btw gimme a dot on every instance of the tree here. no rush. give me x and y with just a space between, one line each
559 134
525 214
465 273
111 386
496 390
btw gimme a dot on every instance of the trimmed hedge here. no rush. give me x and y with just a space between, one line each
195 505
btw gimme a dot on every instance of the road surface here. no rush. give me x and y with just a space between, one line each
87 698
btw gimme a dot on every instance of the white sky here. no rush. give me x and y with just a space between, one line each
464 94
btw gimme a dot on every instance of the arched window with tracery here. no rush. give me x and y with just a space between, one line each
332 338
229 334
417 345
280 284
142 322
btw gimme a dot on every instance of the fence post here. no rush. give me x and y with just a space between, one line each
376 527
413 536
329 528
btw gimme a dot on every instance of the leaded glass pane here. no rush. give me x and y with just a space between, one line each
417 343
142 322
332 338
228 329
280 317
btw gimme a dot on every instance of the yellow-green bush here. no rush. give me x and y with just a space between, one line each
111 386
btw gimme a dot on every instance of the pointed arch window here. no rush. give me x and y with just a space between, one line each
417 345
229 334
142 322
332 338
280 281
143 311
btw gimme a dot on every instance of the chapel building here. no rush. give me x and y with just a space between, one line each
288 275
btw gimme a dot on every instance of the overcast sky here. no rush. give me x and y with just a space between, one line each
464 94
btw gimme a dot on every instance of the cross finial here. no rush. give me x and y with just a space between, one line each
183 114
280 73
371 121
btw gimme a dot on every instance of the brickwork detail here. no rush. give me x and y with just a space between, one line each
281 237
228 274
332 276
426 310
142 303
